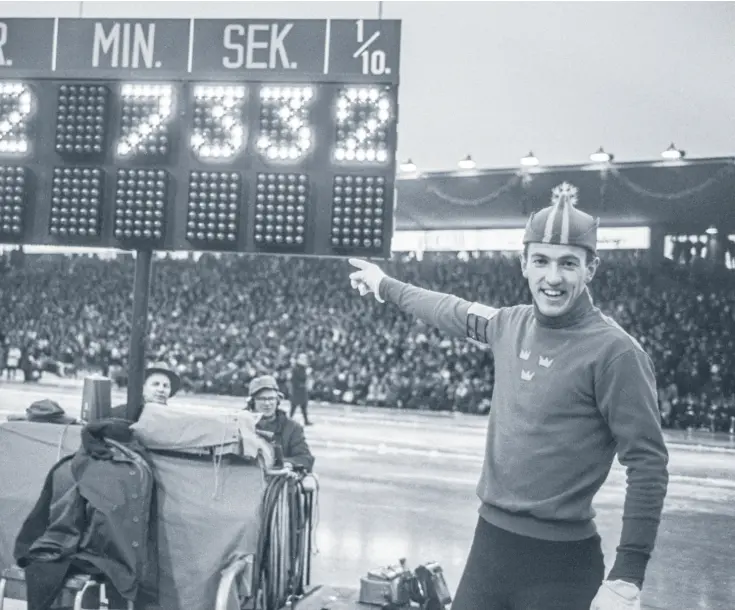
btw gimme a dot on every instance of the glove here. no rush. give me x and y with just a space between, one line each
617 595
367 279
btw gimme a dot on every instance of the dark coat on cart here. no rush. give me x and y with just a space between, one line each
96 515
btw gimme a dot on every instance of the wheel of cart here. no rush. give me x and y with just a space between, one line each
280 571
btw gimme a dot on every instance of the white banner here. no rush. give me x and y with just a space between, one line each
509 240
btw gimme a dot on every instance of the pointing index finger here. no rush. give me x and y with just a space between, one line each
356 262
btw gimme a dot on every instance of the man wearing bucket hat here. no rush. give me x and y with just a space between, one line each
264 398
160 383
572 389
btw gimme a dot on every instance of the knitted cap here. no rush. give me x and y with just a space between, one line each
561 223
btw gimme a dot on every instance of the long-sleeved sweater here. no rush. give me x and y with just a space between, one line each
570 392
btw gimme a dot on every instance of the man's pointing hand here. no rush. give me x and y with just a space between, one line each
367 279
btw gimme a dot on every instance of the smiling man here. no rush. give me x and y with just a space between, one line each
572 390
160 384
265 398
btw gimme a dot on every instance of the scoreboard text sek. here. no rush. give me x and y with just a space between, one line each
273 136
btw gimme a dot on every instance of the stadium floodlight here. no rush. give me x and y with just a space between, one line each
600 156
467 163
672 153
529 160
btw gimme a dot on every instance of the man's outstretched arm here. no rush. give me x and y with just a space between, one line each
451 314
443 311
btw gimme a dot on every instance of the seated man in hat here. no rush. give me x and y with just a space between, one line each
264 398
191 430
160 383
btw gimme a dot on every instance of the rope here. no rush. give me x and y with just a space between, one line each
217 460
62 438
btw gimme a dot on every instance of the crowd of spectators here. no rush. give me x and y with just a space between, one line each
222 320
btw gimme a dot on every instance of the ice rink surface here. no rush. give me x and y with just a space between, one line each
403 485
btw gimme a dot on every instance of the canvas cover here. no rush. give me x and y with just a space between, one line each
183 428
208 514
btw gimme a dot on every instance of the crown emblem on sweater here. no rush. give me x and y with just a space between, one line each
545 362
525 354
564 191
527 375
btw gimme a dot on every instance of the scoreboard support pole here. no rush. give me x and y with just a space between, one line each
138 331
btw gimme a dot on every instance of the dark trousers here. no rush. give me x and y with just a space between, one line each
506 571
303 404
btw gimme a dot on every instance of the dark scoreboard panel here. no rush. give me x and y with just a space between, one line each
270 136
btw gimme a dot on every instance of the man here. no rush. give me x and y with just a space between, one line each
265 398
300 387
160 383
572 389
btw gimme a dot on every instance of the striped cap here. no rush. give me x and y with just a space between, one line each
561 223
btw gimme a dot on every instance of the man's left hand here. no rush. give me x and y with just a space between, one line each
617 595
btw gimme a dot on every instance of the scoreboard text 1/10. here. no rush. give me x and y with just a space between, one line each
250 135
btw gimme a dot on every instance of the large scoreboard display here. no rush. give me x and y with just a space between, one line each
270 136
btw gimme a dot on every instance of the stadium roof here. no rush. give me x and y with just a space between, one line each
687 196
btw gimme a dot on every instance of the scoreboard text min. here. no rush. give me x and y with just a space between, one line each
242 135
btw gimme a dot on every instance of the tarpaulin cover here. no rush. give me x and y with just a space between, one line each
207 516
177 427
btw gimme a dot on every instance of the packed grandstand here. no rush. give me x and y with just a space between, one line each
222 320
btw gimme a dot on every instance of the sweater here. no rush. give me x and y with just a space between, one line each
570 393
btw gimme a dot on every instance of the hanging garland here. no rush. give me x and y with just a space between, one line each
723 172
525 178
511 183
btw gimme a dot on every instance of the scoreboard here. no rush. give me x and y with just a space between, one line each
270 136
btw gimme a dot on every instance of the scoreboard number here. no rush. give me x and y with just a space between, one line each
146 112
285 130
363 116
16 106
218 132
